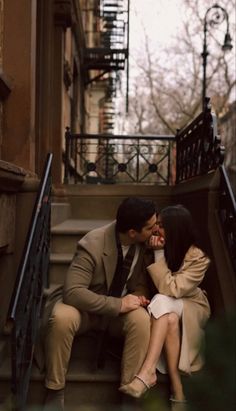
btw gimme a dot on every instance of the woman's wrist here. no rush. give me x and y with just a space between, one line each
158 254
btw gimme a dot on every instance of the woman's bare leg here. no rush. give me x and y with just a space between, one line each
172 349
147 372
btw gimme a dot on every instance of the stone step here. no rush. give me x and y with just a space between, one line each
97 389
86 387
64 236
59 212
59 264
101 201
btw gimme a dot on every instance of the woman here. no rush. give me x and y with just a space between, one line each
180 311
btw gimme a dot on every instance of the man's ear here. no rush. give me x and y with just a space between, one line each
132 233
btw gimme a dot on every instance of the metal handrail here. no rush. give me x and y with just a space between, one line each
227 214
198 146
26 302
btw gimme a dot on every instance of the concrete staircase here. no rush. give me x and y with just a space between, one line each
88 389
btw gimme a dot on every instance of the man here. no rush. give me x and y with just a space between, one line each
93 295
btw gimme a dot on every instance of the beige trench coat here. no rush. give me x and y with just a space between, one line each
196 310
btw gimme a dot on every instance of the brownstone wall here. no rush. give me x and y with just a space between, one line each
17 197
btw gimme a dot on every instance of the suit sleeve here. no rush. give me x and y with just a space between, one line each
76 290
184 282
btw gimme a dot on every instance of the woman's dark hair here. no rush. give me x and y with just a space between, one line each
180 234
133 213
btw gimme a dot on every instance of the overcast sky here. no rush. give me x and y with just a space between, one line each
160 18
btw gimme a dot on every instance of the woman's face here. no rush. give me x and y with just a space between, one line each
160 229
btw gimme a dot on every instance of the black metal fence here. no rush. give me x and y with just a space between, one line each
198 147
26 300
103 159
162 160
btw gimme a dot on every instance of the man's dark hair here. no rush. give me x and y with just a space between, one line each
133 213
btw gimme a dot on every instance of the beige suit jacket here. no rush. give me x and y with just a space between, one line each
90 275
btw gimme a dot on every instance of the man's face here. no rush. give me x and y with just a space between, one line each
147 231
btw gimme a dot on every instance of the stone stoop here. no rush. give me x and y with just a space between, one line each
87 389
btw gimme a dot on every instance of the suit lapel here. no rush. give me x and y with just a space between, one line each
110 254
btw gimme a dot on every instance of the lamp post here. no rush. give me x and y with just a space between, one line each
216 18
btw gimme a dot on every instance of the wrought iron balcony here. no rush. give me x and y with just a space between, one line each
107 43
105 59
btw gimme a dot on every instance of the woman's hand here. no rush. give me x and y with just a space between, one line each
156 242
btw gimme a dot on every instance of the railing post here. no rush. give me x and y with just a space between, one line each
177 166
137 170
67 150
107 159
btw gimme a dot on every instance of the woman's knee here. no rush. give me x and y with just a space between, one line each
173 321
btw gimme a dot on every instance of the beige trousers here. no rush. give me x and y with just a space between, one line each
66 321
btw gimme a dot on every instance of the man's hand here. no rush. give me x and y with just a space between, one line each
129 302
143 300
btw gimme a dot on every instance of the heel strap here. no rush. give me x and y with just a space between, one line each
172 399
144 382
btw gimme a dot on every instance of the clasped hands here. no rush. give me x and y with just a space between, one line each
131 302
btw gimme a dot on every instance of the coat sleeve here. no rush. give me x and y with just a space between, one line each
184 282
85 290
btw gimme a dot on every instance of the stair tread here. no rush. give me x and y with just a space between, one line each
79 370
76 226
61 257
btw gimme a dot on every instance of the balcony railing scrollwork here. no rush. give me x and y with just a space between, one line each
164 160
119 159
198 146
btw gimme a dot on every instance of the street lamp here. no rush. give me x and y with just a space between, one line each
216 18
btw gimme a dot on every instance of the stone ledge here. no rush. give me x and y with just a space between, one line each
11 177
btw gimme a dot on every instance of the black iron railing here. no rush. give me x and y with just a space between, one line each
106 158
198 148
227 214
26 301
121 159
